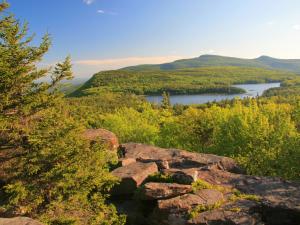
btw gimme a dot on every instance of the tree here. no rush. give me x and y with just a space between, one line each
54 175
166 103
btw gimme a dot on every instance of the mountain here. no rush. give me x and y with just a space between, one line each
266 62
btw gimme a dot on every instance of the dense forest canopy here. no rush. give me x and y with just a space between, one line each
183 81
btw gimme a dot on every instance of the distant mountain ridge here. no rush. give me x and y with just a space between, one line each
266 62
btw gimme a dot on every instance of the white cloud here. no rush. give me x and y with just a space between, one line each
88 2
85 68
296 27
270 23
121 62
100 11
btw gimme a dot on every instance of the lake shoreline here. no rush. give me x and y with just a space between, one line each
251 90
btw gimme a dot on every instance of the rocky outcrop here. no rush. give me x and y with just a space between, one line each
155 191
175 158
132 176
224 195
237 213
107 137
19 221
174 210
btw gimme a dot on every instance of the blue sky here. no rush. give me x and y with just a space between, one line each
109 34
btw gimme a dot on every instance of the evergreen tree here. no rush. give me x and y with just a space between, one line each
166 103
54 174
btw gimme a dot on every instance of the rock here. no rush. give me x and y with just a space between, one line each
152 191
237 213
187 202
132 176
126 161
280 203
182 176
174 211
177 158
107 137
135 211
170 204
19 221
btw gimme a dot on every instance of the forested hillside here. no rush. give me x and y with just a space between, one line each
183 81
292 65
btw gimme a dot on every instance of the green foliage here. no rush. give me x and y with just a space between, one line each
200 184
237 195
261 134
184 81
61 176
53 173
160 178
203 208
166 103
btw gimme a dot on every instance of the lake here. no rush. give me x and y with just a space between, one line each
252 90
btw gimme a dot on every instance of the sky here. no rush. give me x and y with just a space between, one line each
110 34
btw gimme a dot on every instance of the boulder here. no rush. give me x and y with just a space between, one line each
237 213
107 137
126 161
187 202
19 221
280 200
177 158
175 211
182 176
132 176
171 204
152 191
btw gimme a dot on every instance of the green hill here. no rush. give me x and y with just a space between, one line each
181 81
292 65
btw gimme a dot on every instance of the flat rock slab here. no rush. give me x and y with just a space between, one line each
132 176
152 191
237 213
280 203
187 202
273 190
177 158
174 211
19 221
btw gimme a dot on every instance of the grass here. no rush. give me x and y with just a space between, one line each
237 195
204 208
160 178
202 184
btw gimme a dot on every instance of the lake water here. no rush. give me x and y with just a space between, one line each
252 90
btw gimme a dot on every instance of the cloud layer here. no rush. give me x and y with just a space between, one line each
121 62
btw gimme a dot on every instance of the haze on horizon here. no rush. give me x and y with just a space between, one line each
110 34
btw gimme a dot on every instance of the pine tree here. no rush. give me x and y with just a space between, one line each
55 174
166 103
21 96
